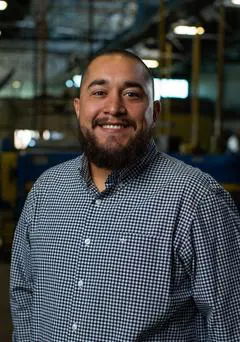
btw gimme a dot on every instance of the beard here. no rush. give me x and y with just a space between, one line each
106 157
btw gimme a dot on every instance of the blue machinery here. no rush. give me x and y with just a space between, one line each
224 168
20 170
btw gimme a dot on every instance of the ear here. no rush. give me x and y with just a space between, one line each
76 104
156 110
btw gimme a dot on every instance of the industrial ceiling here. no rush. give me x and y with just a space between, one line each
68 32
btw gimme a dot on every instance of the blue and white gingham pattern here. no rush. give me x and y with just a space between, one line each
155 257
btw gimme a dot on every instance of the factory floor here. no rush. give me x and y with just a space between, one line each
5 319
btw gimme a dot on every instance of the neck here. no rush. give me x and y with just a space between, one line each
99 176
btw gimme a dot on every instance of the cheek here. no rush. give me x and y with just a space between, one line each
149 117
84 121
87 115
143 117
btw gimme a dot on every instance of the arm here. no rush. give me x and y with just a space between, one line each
216 266
21 284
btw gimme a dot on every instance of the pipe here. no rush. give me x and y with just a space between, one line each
195 88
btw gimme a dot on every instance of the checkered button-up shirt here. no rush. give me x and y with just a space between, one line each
154 257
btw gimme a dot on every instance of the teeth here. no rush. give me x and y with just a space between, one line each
112 126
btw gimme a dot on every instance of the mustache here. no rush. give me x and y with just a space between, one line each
106 121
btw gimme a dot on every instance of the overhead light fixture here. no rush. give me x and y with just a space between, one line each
3 5
188 30
150 63
16 84
236 2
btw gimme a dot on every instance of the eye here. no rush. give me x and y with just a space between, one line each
132 94
99 93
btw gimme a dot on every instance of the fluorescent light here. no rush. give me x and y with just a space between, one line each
170 88
151 63
46 135
24 138
77 80
69 83
233 143
200 30
236 2
57 135
3 5
52 135
188 30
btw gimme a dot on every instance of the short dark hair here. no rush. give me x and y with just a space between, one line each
122 52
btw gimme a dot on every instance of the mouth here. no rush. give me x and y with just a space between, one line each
112 125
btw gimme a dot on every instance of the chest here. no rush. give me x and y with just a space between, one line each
123 237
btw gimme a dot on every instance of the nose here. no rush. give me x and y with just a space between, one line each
114 105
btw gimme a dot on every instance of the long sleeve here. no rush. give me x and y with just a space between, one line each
21 284
216 275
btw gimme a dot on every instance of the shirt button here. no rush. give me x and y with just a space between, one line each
87 242
80 283
98 202
74 327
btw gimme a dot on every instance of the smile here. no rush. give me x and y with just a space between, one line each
113 126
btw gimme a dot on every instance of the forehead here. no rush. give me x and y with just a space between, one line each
116 66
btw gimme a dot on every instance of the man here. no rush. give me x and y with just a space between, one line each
125 243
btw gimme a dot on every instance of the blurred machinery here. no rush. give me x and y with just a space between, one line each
8 195
19 170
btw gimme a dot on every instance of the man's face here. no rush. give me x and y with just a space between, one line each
116 103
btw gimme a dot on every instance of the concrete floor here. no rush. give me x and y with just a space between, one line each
5 319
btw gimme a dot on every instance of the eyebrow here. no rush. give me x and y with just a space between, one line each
97 82
133 84
127 84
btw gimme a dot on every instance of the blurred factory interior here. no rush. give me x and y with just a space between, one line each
192 48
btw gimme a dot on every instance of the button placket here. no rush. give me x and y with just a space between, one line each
87 242
74 327
80 283
98 202
122 240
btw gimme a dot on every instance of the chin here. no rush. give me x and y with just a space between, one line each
113 143
114 152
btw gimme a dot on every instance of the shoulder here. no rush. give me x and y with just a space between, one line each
69 166
183 178
62 173
54 183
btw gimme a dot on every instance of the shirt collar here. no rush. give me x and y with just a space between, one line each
125 174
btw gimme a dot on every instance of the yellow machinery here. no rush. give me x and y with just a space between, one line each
8 194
